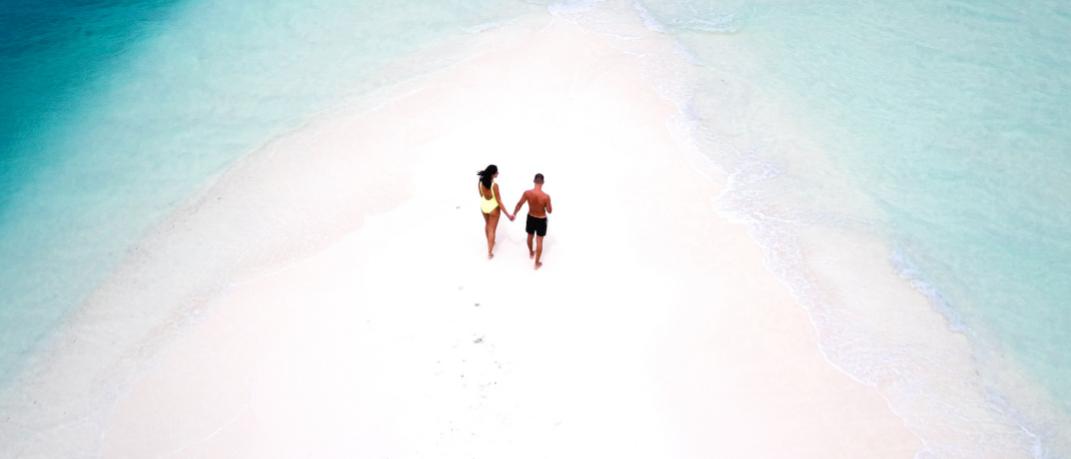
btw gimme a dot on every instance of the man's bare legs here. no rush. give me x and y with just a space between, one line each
531 253
538 250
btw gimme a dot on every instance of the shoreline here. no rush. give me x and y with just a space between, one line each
966 395
236 366
137 420
824 240
399 231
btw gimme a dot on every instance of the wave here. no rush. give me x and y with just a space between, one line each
878 317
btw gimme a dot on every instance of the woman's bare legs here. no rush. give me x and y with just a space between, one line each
487 234
490 226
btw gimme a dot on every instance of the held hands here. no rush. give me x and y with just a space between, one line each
511 217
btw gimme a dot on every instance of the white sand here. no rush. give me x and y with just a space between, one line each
653 330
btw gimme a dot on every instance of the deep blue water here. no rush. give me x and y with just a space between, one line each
49 50
50 54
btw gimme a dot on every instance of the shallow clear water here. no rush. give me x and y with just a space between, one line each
957 115
953 117
949 117
116 111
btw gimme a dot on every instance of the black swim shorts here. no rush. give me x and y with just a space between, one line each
536 225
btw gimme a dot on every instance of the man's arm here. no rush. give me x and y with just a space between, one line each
524 197
549 207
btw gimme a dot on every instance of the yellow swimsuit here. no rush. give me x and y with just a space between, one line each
489 205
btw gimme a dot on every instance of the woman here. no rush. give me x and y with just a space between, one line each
490 205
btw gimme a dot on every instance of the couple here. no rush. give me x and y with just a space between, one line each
491 205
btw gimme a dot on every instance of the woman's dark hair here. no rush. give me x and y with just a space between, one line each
487 175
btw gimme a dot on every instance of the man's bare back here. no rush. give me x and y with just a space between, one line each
536 226
538 202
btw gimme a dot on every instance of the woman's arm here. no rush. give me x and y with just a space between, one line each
498 197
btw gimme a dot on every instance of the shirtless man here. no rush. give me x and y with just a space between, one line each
538 208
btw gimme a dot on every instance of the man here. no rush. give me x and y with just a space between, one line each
538 208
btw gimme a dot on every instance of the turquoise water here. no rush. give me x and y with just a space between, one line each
115 111
48 52
950 116
958 115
